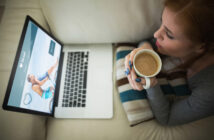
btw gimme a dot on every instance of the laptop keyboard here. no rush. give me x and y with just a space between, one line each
75 80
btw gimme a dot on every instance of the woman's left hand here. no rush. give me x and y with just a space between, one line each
141 81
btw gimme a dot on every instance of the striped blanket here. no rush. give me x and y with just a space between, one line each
135 102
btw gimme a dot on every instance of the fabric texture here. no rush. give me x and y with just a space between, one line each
102 21
135 102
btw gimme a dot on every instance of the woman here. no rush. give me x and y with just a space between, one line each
37 82
186 33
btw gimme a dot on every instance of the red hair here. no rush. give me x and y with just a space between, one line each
197 18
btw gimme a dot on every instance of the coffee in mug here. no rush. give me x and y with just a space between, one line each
147 63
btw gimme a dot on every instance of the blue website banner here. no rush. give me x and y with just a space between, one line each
52 48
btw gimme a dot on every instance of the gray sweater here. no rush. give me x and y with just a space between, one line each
198 105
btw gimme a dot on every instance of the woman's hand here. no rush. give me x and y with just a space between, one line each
136 82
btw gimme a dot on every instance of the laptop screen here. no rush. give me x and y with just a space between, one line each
33 79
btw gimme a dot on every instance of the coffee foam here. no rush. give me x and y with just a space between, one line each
146 64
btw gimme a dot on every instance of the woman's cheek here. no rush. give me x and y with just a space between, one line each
167 50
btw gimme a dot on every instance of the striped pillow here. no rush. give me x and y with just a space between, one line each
135 102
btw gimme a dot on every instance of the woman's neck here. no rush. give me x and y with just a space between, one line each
200 64
189 57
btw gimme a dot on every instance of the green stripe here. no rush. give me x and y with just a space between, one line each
167 89
122 54
181 90
131 95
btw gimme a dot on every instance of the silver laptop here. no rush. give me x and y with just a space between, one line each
71 81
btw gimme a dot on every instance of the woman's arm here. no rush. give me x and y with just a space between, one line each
50 70
199 105
43 81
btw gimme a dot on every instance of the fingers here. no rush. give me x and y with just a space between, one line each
153 81
129 59
137 86
142 81
127 70
131 82
132 54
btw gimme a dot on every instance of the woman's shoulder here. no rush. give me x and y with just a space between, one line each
208 71
204 77
202 89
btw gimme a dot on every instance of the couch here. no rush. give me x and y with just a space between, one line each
86 22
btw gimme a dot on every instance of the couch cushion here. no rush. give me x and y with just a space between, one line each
16 125
118 127
23 4
104 21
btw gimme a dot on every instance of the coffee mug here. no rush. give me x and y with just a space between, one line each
147 64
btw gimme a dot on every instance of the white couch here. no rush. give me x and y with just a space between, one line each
85 22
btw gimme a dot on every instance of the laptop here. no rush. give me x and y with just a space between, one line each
70 81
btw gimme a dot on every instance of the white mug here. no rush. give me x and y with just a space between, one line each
147 77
